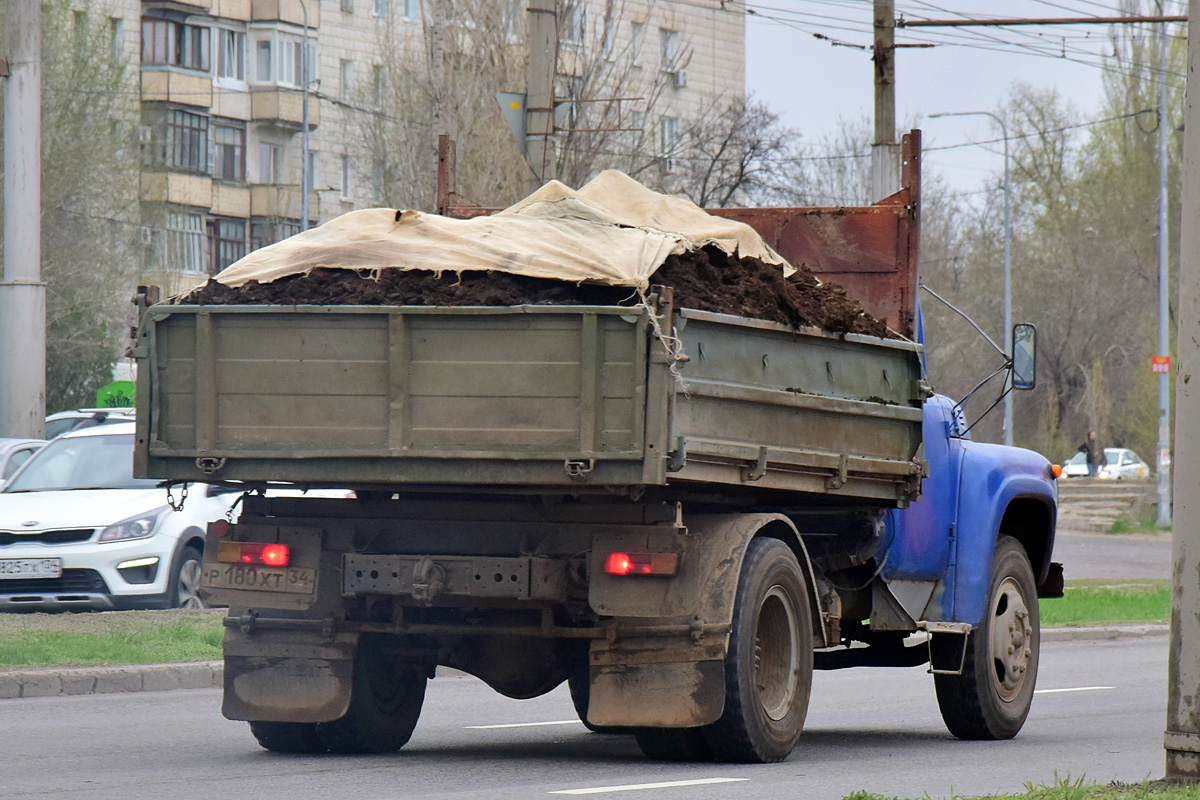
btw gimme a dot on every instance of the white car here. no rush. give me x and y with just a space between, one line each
1122 464
77 531
64 421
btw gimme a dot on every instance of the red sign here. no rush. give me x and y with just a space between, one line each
1160 363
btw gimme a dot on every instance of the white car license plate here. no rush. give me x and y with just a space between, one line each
14 568
260 579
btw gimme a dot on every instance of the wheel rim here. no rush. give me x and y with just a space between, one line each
1011 640
776 659
189 585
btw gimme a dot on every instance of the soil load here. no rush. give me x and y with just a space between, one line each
706 279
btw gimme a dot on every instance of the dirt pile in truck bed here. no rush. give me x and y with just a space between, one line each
706 279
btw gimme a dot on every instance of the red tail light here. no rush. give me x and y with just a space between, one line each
641 563
270 555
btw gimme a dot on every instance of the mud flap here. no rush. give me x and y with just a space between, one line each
656 684
286 676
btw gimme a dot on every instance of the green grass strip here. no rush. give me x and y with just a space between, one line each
187 639
1077 789
1108 603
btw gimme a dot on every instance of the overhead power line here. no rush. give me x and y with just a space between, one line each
993 23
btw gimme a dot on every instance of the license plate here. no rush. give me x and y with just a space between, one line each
15 568
259 579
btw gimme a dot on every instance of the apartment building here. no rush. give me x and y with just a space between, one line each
223 104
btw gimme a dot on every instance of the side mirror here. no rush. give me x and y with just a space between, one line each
1024 356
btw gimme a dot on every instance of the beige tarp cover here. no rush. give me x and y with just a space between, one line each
613 230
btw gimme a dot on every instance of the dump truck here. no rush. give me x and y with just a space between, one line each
679 513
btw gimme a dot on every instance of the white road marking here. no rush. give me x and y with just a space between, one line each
634 787
1073 689
523 725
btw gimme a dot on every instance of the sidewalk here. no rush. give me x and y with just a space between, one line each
69 681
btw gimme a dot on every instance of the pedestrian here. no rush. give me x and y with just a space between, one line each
1089 448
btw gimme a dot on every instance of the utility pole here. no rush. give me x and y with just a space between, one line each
1182 737
885 152
1164 334
539 91
305 172
22 290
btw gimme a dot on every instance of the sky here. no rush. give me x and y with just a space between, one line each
815 85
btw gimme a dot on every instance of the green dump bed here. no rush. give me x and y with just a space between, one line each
536 397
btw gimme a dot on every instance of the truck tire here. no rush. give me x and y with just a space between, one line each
385 703
288 737
673 744
768 668
991 698
580 688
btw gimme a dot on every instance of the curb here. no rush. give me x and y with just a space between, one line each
71 681
1104 633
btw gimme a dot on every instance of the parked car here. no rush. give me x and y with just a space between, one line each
1076 467
64 421
14 453
78 531
1122 464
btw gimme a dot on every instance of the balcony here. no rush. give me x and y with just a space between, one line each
173 86
283 106
230 200
179 188
281 200
232 9
285 11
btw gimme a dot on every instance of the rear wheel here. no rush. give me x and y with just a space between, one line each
991 699
385 703
768 668
288 737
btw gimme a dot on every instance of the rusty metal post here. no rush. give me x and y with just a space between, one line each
1182 738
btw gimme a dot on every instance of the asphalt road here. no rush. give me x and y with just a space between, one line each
1099 555
868 729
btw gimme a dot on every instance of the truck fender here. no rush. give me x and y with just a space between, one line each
711 548
1004 490
678 681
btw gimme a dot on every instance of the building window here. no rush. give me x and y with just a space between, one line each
576 23
186 143
377 85
410 9
229 151
636 29
183 243
670 48
116 39
380 7
348 6
347 177
81 32
347 75
227 238
668 141
609 42
279 58
231 55
269 231
174 44
270 163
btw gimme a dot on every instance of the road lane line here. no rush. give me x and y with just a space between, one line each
634 787
523 725
1073 689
